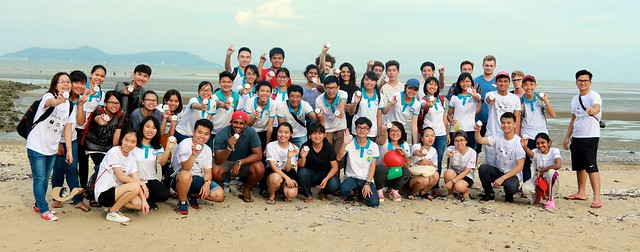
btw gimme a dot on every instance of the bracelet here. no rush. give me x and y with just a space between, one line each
229 148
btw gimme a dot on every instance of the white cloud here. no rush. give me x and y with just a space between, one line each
270 14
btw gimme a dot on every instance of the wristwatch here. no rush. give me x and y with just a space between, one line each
367 183
207 181
239 162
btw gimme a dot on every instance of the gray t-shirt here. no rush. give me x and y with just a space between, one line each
248 139
310 94
137 116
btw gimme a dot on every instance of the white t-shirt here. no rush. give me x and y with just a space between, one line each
106 176
332 123
585 126
435 118
534 121
360 158
387 146
45 136
460 162
464 110
239 81
280 155
203 161
432 154
147 161
403 112
502 104
368 107
190 116
542 161
74 125
387 91
222 116
507 152
284 111
269 111
93 102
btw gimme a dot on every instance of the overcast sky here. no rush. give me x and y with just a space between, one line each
550 39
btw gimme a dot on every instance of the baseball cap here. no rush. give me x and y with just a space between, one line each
413 82
239 115
529 77
503 74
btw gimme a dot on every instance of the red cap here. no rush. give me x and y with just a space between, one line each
239 115
529 77
503 74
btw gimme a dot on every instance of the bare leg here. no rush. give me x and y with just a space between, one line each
216 196
124 194
449 174
594 178
274 182
256 171
183 184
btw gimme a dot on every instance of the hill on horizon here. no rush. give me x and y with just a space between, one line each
93 55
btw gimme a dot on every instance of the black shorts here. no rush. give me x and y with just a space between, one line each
583 154
469 181
483 132
108 197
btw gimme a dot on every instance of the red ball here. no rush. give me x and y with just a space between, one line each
393 159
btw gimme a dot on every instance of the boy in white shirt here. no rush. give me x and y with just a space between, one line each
330 112
295 111
498 103
387 89
509 160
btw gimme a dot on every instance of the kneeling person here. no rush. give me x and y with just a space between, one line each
192 163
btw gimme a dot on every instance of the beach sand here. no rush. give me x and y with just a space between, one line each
334 225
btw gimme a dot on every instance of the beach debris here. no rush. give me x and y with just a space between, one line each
593 213
314 224
617 181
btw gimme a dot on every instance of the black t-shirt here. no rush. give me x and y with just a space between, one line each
320 161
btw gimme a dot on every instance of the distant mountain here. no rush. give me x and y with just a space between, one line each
93 55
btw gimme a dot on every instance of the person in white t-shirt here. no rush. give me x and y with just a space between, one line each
94 99
227 101
239 72
282 159
295 111
117 184
435 116
392 86
261 112
463 108
361 164
535 108
42 141
404 107
547 161
197 108
462 162
367 104
509 160
583 136
424 154
330 108
498 103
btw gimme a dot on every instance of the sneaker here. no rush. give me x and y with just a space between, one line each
118 217
226 187
49 216
487 197
37 210
193 202
537 201
550 205
508 198
395 195
381 195
182 208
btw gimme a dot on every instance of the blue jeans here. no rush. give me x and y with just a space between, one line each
526 170
41 167
349 184
61 168
298 141
307 178
440 144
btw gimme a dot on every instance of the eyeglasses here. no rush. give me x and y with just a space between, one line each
151 100
395 131
113 103
362 128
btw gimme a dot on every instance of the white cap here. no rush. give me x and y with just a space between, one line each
232 47
165 107
525 136
247 86
479 123
130 88
305 148
358 93
440 66
291 148
172 139
317 110
65 95
541 94
314 80
198 147
327 45
174 118
271 73
337 113
106 117
205 101
96 88
431 98
259 109
236 135
230 99
424 151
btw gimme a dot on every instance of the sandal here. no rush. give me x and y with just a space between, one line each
308 200
323 197
246 199
411 196
94 203
287 200
83 207
264 193
271 201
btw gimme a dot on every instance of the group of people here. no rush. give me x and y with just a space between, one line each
287 138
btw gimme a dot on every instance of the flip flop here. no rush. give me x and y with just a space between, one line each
574 197
596 205
246 199
271 201
83 207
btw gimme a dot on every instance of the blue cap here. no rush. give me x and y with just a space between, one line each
413 82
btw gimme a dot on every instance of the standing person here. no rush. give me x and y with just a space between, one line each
427 70
130 91
318 165
239 73
149 154
466 66
103 131
62 169
462 162
173 100
199 107
276 57
424 155
463 107
366 104
393 86
347 83
361 164
404 108
583 136
535 107
314 87
486 83
261 112
149 104
377 67
192 164
433 111
330 107
248 89
325 62
282 160
226 103
392 139
295 111
499 102
548 161
508 169
238 154
517 79
95 99
117 184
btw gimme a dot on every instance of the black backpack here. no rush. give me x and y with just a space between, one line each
27 123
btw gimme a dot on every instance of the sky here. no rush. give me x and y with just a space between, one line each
549 39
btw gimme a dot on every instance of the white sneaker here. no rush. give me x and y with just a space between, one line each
48 215
117 217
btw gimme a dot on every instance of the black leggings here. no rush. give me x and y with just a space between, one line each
83 162
158 192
